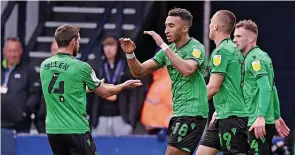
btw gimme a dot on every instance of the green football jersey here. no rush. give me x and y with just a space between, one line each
258 64
189 93
64 79
227 60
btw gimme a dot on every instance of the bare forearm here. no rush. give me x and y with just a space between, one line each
135 67
180 64
112 90
211 92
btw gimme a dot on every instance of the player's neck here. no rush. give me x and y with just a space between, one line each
182 41
249 48
65 50
220 37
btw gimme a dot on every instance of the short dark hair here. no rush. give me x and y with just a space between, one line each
228 19
248 25
65 34
183 14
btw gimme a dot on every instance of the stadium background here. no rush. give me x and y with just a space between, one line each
34 23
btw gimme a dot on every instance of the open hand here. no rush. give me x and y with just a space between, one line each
259 127
127 45
156 37
282 128
132 83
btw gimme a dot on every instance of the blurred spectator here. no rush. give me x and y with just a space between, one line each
157 108
114 114
41 112
20 89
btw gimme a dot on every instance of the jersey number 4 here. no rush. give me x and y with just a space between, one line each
60 89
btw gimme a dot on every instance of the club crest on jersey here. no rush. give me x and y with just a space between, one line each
256 65
217 60
196 53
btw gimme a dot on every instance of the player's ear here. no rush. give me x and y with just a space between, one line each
251 39
73 42
215 27
185 29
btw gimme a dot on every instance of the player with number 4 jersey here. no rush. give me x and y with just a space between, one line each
64 80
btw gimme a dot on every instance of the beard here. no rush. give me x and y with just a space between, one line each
75 52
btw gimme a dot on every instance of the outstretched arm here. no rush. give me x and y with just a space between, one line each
185 66
140 69
137 69
107 90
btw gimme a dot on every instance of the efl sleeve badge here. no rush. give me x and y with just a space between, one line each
256 65
196 53
217 60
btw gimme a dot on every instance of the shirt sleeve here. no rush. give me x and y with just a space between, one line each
220 61
197 54
277 112
90 79
264 95
258 68
159 58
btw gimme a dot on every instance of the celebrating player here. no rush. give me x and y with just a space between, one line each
228 132
64 80
186 63
259 90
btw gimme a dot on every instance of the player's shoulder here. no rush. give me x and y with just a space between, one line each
82 64
47 60
229 46
195 45
257 53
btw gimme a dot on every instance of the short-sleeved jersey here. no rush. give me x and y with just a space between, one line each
189 93
227 60
64 79
258 64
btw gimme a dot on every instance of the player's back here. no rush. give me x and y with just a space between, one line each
63 86
226 59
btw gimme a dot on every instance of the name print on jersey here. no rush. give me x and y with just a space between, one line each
57 64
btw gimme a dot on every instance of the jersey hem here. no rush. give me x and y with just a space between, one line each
233 114
201 115
266 122
66 131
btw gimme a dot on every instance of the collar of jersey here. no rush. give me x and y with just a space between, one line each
252 49
223 41
184 44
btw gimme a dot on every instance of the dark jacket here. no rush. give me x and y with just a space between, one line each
127 100
22 97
